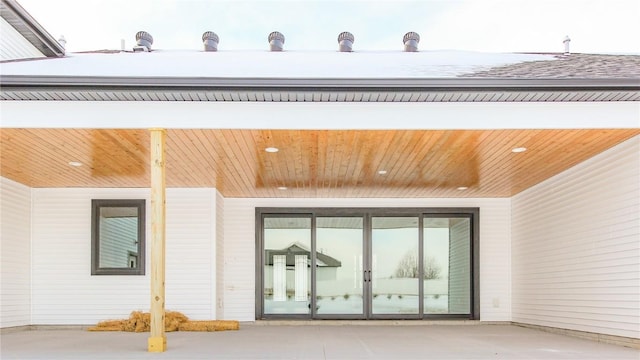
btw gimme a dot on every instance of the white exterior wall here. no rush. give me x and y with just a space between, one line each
64 292
576 246
459 267
240 241
220 260
13 45
15 254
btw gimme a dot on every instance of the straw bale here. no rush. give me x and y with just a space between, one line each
109 325
173 319
139 321
210 325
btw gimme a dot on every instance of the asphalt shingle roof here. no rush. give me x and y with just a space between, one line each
588 66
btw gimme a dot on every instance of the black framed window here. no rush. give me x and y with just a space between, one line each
367 263
117 237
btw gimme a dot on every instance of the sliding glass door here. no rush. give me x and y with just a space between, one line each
447 265
394 283
367 263
287 255
339 266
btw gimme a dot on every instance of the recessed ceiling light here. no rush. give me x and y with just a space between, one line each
75 163
382 172
462 188
282 188
272 149
519 149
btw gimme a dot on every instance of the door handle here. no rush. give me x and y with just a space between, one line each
367 278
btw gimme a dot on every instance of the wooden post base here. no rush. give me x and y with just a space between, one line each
157 344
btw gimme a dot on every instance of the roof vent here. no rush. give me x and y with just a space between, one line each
210 40
566 42
345 40
144 41
411 40
276 41
63 42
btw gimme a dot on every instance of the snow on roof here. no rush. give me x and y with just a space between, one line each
264 64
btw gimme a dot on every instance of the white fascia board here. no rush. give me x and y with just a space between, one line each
318 116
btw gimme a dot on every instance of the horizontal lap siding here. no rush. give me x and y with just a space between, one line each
239 248
191 256
122 234
15 254
459 267
13 45
64 292
576 247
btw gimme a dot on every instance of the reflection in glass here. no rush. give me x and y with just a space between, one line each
287 275
339 265
394 280
447 280
118 234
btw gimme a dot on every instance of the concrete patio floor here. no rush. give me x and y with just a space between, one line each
316 342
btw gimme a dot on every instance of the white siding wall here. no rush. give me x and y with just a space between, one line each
15 254
13 45
239 248
576 246
459 267
64 292
220 260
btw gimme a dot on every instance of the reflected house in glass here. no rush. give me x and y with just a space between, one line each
283 267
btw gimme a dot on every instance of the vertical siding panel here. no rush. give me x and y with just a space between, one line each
220 260
239 248
64 292
576 246
15 254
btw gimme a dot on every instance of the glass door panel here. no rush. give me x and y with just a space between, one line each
339 265
394 264
287 259
447 265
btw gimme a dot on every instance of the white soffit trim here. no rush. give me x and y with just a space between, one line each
316 116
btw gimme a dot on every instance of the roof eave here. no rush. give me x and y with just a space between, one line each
89 88
30 29
325 84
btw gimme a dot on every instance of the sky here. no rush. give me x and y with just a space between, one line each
594 26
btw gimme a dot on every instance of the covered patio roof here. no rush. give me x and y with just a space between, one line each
360 124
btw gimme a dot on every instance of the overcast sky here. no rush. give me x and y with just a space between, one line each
594 26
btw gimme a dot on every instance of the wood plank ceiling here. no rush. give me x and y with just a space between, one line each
328 163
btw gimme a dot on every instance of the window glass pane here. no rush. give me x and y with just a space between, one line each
394 281
447 273
339 267
118 237
287 259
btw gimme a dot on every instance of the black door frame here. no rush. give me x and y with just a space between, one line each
473 213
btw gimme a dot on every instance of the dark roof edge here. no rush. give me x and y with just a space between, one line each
305 84
45 42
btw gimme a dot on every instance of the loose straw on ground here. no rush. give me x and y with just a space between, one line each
173 321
